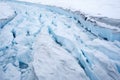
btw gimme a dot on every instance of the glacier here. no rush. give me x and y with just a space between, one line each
41 42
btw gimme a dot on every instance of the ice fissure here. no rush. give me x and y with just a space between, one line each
50 43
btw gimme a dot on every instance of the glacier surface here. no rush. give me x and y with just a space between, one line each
48 43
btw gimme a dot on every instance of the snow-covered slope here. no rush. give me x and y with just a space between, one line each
102 8
48 43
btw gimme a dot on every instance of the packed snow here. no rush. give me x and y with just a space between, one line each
49 43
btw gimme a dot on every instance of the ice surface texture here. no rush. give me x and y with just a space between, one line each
49 43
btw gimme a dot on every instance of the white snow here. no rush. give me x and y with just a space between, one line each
5 11
102 8
6 14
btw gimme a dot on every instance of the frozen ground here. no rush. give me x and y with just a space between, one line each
47 43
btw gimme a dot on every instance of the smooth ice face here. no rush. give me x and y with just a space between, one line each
49 43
